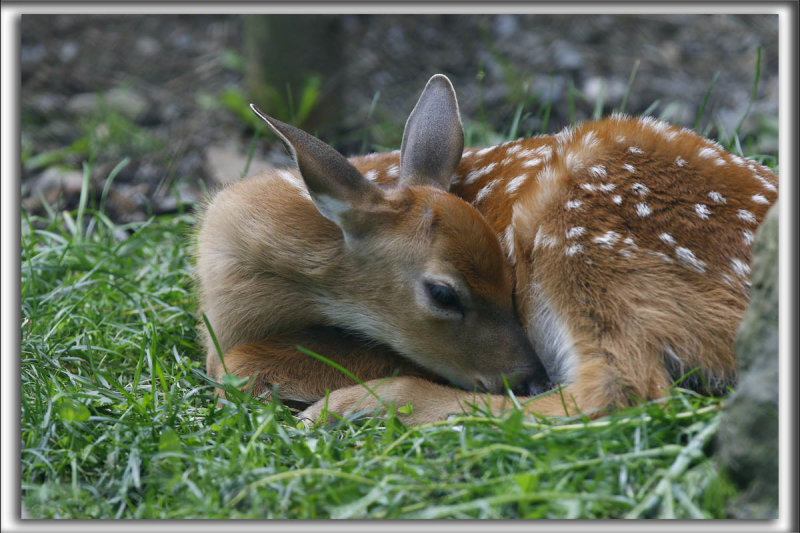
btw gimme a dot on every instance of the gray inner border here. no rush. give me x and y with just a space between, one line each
10 272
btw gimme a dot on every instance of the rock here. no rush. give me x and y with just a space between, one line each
124 101
748 434
68 51
147 46
227 161
53 184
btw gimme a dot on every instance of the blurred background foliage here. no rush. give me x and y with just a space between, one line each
171 92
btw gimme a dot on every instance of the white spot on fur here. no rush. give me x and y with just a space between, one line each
516 183
608 187
681 162
598 171
635 150
545 151
630 168
747 235
575 231
702 211
565 135
630 242
532 162
483 193
660 255
588 187
574 162
479 173
590 140
573 249
371 175
620 139
738 160
393 171
719 162
747 216
573 204
667 238
513 149
767 185
640 188
607 240
740 268
624 252
717 197
759 199
687 257
707 153
484 151
617 199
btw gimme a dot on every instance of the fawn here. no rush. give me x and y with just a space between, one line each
611 260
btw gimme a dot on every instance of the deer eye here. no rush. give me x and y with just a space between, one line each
444 297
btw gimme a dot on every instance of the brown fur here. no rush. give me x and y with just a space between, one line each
626 251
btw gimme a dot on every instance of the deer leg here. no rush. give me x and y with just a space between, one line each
276 364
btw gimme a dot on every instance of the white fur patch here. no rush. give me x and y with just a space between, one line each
575 231
479 173
688 258
543 239
643 210
702 211
740 268
508 241
747 216
640 188
759 199
516 183
598 171
608 239
550 338
574 249
707 153
483 193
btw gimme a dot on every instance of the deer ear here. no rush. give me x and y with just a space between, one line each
433 139
337 188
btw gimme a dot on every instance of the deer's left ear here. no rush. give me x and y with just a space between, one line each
433 139
339 191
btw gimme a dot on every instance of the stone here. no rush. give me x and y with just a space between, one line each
747 447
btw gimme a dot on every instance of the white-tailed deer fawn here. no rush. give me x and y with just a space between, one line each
611 259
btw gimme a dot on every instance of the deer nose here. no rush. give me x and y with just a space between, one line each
532 385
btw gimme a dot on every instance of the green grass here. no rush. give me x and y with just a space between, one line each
119 420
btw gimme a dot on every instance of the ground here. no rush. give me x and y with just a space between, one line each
164 91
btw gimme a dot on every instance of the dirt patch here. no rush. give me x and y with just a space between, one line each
148 88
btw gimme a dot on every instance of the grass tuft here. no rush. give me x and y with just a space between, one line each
119 419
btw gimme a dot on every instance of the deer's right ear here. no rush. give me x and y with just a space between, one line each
337 188
433 139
